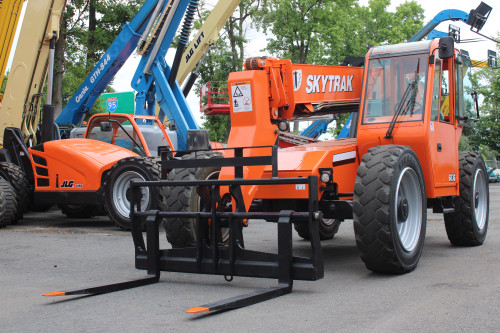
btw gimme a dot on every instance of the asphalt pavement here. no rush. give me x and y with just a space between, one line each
453 289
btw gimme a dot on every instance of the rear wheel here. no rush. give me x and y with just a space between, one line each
327 228
181 232
389 209
468 225
118 193
8 203
13 174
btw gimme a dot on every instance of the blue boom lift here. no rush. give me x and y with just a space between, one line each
152 31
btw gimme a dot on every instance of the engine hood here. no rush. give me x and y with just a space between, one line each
85 151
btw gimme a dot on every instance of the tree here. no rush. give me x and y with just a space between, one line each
380 26
4 82
295 26
486 134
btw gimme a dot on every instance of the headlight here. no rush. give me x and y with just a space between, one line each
325 177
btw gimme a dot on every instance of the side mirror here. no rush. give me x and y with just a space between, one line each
446 47
106 126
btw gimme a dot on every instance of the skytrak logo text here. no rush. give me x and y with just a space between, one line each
329 83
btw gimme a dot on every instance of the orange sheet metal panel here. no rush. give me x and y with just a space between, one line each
322 83
76 164
250 122
303 161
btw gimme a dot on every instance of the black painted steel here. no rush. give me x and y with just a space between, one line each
210 255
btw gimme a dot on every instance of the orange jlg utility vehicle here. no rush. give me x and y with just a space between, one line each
83 174
411 102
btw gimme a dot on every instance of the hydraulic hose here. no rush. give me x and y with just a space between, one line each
183 40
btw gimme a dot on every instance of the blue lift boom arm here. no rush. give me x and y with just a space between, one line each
151 76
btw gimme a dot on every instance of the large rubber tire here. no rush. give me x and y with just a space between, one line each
79 211
181 232
327 228
117 188
468 225
19 182
390 209
8 203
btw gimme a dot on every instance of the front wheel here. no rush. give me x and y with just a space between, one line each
181 232
390 209
118 192
467 226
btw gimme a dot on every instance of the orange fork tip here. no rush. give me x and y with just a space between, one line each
197 309
55 293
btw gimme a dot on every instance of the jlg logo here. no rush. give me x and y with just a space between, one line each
68 183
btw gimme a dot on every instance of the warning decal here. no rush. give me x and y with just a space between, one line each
242 96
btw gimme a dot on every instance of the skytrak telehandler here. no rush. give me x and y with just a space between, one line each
400 159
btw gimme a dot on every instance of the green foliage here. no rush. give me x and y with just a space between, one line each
380 26
325 31
464 144
4 82
487 152
485 137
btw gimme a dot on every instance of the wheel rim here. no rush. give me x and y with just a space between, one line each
328 222
121 193
480 200
408 212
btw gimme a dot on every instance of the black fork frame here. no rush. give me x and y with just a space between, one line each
209 255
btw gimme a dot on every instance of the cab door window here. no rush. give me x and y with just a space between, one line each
464 100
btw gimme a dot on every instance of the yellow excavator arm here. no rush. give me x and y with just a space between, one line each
27 76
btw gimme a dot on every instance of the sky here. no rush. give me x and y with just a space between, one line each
478 51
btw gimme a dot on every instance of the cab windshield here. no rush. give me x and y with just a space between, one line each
121 133
395 85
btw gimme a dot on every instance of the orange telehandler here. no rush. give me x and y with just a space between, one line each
411 102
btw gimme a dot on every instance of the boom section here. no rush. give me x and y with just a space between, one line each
271 92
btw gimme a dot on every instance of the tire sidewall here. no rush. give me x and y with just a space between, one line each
409 259
129 164
480 234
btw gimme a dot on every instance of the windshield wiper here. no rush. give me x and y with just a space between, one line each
407 102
